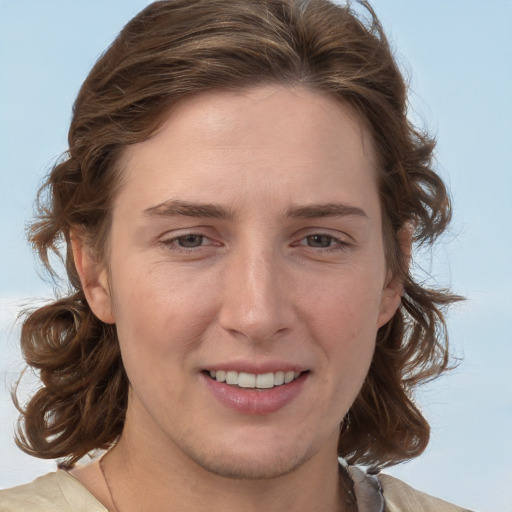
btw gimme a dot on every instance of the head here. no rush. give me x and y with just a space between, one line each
175 54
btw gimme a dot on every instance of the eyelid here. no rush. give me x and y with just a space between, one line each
339 243
340 240
169 240
337 234
331 237
335 242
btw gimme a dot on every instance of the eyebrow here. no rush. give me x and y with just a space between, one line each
325 210
176 207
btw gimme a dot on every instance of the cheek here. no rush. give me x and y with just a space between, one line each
348 305
158 313
343 322
343 327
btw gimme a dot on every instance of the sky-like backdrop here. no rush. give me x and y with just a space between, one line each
457 55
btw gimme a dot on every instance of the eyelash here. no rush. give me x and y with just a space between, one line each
172 243
335 244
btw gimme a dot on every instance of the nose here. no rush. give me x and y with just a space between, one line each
256 300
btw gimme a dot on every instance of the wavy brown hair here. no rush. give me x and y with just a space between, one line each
169 51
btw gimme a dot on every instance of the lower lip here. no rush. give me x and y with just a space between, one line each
257 402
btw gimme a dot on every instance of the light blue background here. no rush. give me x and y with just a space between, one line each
458 55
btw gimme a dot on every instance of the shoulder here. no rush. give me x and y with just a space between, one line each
54 492
400 497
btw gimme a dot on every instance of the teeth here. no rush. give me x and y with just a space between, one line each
246 380
278 378
232 378
265 381
251 380
288 377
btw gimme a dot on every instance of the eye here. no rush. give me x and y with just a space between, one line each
322 241
186 242
190 241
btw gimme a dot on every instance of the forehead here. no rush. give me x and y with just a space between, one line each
302 115
292 143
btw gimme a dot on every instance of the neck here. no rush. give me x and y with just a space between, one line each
175 483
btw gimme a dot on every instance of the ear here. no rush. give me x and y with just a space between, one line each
93 276
394 289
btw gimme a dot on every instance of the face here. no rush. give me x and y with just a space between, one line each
247 279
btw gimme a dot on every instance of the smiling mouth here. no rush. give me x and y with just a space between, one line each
254 381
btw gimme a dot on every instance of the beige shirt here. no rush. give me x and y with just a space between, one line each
61 492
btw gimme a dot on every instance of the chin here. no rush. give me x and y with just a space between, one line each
254 464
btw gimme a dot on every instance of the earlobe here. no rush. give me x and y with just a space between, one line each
390 301
394 289
93 276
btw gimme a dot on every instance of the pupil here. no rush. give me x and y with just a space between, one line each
191 241
319 240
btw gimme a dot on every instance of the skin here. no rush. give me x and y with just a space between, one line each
271 281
